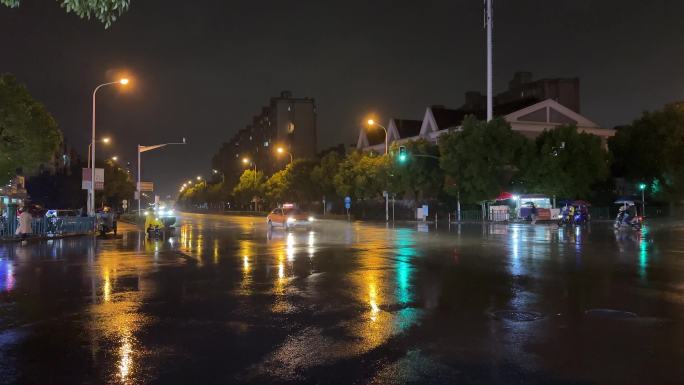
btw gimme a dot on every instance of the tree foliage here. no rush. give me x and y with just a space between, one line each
565 163
250 185
292 184
118 185
61 190
106 11
481 158
324 172
651 150
362 176
417 174
29 135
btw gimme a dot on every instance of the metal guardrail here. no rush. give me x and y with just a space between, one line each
47 227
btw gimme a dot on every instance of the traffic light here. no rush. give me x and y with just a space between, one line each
642 186
403 155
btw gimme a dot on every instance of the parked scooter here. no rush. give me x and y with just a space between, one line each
106 222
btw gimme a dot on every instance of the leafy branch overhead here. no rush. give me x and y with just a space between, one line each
106 11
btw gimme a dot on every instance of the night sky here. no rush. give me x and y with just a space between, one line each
202 69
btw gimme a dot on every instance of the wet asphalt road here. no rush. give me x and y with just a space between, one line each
225 301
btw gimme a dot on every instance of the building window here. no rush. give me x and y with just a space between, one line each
290 128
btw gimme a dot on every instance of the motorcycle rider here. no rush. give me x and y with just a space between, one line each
630 214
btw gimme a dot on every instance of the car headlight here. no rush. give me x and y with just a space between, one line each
290 220
311 219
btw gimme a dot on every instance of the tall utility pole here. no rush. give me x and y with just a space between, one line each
489 18
142 149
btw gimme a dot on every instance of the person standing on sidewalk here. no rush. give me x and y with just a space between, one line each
24 228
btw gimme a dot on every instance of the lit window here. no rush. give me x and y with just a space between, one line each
266 144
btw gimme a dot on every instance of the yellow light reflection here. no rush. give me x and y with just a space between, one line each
290 250
245 264
312 242
106 286
125 358
373 301
116 319
216 251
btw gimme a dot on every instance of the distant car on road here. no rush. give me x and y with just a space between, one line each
289 217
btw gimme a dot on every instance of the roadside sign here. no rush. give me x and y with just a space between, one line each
347 206
86 177
145 186
347 200
136 195
124 204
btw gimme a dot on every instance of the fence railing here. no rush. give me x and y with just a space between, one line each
49 226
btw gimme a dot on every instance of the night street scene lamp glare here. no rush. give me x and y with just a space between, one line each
245 160
371 122
199 177
642 186
106 140
115 158
280 150
123 81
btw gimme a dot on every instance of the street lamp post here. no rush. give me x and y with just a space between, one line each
91 190
282 151
104 140
142 149
247 161
372 123
642 187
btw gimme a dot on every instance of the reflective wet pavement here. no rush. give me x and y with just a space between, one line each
225 301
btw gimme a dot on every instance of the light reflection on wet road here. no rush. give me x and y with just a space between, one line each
226 301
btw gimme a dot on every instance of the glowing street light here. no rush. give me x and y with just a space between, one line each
372 123
199 177
281 150
246 161
115 158
91 190
105 140
642 187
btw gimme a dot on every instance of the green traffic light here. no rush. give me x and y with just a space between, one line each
642 186
402 158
